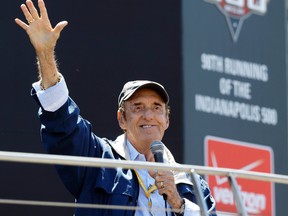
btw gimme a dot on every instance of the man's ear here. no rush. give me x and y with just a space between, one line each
167 122
121 120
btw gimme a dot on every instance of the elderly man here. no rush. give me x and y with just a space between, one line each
143 115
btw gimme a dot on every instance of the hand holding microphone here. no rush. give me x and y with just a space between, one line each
164 180
157 149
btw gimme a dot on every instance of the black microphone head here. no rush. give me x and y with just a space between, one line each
157 149
156 146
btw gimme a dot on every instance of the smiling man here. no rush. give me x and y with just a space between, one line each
143 114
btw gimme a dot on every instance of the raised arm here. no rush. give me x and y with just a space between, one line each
43 38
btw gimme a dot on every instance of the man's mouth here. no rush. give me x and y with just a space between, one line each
146 126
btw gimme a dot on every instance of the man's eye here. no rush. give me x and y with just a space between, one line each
137 108
158 109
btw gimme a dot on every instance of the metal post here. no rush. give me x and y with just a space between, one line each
237 196
199 194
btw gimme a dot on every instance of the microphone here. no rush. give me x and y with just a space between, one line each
157 149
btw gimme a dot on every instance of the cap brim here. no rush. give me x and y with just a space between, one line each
145 84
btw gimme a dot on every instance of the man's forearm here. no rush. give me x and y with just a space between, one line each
48 70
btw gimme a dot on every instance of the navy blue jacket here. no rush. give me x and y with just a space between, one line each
65 132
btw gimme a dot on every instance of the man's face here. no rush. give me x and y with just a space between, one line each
146 119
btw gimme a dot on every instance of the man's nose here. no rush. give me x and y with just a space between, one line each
148 113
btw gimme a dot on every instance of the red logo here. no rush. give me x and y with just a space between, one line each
236 11
257 196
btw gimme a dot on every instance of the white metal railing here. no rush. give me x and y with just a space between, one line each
193 170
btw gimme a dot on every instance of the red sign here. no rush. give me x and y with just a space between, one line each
257 196
236 11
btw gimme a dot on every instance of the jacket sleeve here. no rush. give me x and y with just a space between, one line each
65 132
188 192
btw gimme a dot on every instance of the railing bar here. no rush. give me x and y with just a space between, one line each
81 205
76 205
99 162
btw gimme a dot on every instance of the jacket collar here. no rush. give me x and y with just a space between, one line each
120 146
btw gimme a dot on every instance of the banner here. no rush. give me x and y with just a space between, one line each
235 87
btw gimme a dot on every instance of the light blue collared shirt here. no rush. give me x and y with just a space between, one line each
158 203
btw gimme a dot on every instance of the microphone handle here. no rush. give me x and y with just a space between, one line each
164 197
158 156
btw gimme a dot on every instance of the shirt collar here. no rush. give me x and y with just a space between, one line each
133 153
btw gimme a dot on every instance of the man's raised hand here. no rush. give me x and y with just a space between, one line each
38 27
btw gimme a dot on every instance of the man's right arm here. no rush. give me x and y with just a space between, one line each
63 131
52 98
43 37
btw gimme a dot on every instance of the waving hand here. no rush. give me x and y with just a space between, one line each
42 35
44 38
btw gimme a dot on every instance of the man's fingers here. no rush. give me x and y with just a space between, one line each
32 9
60 26
152 173
43 10
26 13
21 24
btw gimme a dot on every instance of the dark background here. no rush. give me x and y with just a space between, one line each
105 44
